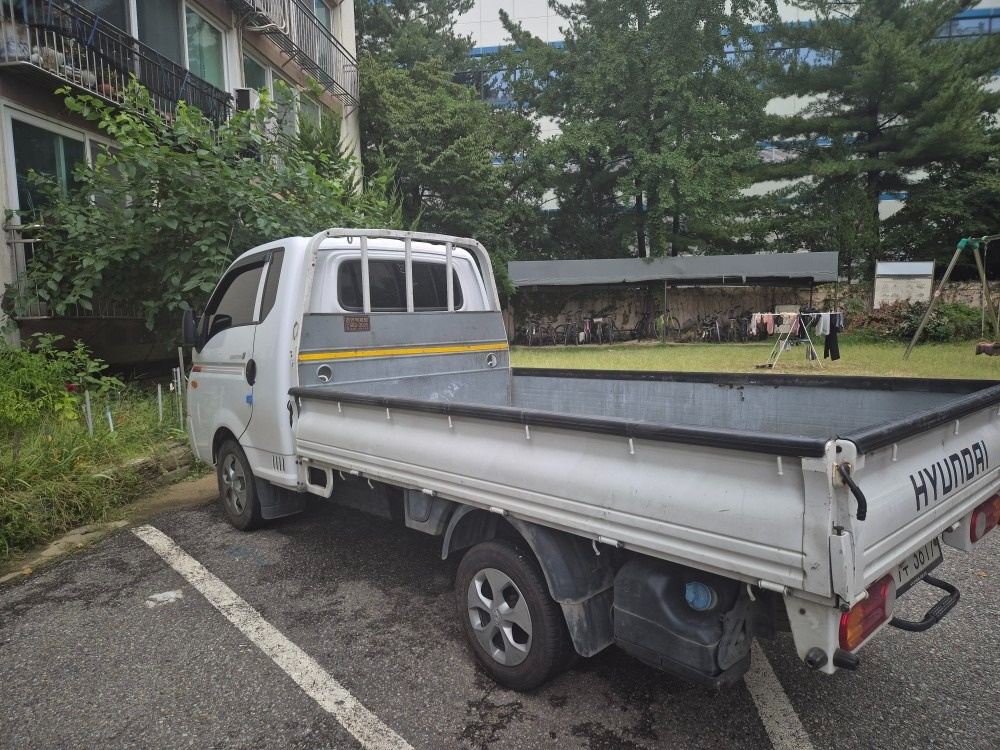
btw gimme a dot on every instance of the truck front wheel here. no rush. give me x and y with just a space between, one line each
513 627
237 487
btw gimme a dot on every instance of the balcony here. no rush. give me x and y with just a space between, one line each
59 40
294 28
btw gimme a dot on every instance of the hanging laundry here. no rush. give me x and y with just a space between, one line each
822 324
831 348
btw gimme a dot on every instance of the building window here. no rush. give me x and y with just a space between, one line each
205 47
309 111
46 152
169 27
322 11
159 26
115 12
254 74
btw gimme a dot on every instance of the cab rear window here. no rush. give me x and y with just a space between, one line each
388 286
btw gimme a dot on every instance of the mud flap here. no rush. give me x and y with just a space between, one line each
277 502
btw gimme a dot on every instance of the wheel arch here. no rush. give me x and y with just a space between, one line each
222 435
579 579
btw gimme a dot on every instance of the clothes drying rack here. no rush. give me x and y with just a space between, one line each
785 341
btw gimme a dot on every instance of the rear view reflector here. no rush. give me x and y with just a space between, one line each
984 519
869 614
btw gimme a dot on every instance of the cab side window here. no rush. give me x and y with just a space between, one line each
234 301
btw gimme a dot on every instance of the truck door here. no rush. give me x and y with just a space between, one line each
224 370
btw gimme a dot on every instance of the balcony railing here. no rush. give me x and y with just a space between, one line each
21 243
294 27
72 44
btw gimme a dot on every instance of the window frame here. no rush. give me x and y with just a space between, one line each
8 113
131 13
259 261
344 263
208 19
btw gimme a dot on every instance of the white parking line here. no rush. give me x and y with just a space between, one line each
780 720
296 663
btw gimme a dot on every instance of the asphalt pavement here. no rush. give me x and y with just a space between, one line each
114 648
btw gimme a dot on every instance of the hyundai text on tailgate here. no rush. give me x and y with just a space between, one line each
677 516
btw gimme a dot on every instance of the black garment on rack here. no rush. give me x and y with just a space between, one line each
831 347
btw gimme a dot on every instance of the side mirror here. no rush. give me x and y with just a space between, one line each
189 330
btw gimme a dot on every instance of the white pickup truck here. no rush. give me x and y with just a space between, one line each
678 516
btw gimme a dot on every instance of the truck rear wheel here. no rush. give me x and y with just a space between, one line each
513 627
237 487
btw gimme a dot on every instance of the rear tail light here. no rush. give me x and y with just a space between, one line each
984 519
869 614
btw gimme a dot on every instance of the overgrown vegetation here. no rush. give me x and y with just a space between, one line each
54 475
152 222
47 382
950 321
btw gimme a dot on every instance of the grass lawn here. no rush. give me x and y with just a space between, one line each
951 360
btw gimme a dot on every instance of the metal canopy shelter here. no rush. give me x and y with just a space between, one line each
771 269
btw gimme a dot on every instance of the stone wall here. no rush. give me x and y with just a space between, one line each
557 305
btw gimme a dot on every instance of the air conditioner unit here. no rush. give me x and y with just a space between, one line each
247 98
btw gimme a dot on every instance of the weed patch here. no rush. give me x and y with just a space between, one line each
54 475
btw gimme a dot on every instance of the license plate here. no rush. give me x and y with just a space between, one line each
916 564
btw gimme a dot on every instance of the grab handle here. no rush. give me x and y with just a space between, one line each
855 490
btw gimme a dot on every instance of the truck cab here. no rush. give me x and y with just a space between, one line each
348 309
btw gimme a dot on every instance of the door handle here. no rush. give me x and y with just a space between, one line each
251 372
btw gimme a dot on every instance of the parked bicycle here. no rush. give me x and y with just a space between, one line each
607 329
539 333
644 328
668 328
710 329
575 330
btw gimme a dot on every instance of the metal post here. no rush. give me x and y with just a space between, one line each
107 414
986 292
181 381
88 413
159 400
944 280
663 328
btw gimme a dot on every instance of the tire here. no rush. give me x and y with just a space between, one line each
237 487
514 629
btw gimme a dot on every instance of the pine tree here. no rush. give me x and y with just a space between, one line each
405 32
888 104
658 94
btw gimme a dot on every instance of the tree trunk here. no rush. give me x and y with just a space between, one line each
640 226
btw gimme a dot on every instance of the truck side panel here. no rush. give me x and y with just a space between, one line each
678 502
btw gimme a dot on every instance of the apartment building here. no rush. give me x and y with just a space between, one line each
200 51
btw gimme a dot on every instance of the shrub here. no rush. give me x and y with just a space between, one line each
55 476
46 382
899 321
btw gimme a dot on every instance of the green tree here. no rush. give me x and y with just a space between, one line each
405 32
889 105
660 96
954 199
152 222
458 163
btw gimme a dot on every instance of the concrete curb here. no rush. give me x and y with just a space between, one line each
161 471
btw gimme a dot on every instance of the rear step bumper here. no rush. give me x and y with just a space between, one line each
936 613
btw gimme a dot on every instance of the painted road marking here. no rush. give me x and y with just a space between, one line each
780 720
167 597
296 663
